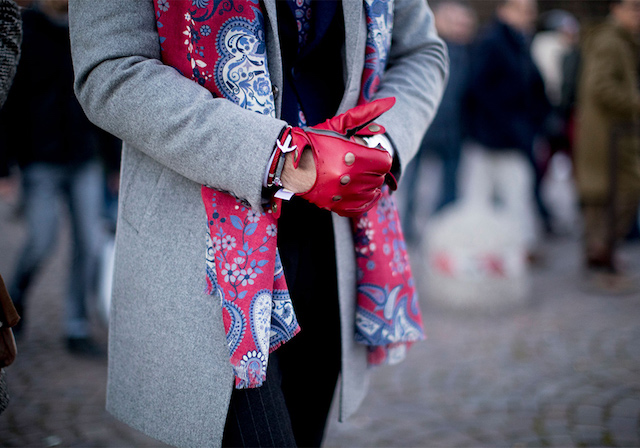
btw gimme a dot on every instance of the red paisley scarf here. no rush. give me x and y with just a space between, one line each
220 44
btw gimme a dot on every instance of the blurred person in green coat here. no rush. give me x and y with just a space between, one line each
609 99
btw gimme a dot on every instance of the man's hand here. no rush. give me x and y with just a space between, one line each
304 177
331 166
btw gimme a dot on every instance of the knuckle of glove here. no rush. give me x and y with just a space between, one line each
349 175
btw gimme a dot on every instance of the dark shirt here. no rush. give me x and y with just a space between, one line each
313 76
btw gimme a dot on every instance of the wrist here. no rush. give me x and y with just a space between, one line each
302 178
273 172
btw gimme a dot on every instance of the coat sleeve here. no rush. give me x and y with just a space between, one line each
416 75
125 89
604 79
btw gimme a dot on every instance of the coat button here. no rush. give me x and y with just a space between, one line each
344 180
275 90
336 198
374 128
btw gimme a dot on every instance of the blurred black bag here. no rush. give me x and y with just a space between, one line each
8 318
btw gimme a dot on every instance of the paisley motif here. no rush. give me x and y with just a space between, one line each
284 324
378 330
236 326
387 311
210 260
379 31
261 319
242 74
252 369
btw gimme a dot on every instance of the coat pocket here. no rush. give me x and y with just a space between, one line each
142 187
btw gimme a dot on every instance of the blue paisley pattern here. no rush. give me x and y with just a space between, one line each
241 73
237 326
379 30
396 326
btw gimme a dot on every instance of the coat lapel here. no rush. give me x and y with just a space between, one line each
355 31
273 51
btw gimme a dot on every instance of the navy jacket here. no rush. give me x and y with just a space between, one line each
507 100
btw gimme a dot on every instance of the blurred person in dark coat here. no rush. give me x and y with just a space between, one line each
508 106
609 98
44 131
456 25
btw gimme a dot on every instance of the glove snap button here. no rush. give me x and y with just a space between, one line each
374 128
336 198
349 158
344 180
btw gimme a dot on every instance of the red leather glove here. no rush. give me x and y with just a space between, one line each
349 175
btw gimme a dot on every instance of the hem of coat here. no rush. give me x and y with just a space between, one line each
149 431
114 413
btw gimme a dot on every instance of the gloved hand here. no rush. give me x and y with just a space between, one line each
349 174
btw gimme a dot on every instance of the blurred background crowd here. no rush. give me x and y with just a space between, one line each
537 129
536 138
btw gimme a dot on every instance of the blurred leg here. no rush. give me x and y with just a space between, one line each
627 213
449 191
597 253
84 197
41 185
514 185
477 187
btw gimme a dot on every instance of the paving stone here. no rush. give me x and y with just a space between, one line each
589 415
556 426
531 441
559 440
623 429
627 407
590 435
556 411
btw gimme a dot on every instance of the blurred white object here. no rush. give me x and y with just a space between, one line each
501 180
475 258
105 277
559 193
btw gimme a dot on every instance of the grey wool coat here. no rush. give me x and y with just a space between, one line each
169 371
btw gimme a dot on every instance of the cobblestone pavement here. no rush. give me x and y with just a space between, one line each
564 370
